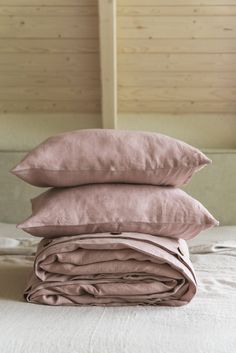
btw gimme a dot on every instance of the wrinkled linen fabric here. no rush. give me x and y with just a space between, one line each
99 208
208 321
113 270
110 156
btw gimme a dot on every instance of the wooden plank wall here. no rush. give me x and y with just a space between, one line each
49 57
177 56
107 38
176 66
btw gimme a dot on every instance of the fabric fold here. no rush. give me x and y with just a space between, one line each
112 269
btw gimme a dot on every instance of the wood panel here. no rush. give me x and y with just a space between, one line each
51 78
49 93
177 45
177 62
49 56
107 31
48 27
177 107
176 11
176 93
177 27
36 106
48 11
178 79
176 57
45 2
52 62
177 3
49 46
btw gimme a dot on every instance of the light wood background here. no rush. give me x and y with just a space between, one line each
49 68
176 69
177 58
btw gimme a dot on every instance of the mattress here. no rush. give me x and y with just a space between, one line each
208 323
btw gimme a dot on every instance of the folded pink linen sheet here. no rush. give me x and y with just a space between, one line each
112 269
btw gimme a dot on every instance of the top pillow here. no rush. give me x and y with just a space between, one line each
110 156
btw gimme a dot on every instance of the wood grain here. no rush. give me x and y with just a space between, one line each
49 46
177 45
48 11
43 79
49 106
107 31
45 3
176 11
52 62
48 27
176 93
176 62
177 27
49 57
177 3
177 79
49 93
177 107
176 56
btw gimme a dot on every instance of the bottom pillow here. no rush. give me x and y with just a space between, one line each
100 269
98 208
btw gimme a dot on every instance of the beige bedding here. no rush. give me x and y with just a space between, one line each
207 324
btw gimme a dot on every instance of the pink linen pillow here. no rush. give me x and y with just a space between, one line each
110 156
100 208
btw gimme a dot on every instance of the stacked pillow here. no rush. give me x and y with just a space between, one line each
110 181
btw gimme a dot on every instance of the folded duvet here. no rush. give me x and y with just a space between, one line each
112 269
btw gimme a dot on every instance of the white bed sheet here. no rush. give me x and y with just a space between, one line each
207 324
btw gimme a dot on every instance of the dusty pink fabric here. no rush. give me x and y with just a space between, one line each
105 156
98 208
100 269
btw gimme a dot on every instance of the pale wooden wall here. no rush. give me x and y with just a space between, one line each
49 59
178 58
49 69
176 69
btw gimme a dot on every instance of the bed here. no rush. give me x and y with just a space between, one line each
207 324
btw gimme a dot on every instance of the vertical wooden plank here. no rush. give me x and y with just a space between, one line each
107 28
